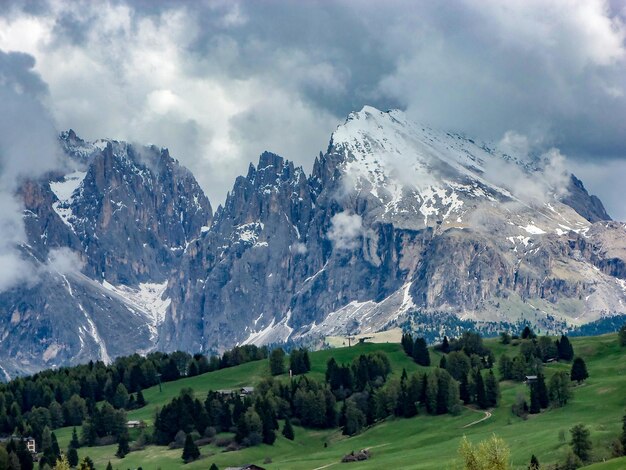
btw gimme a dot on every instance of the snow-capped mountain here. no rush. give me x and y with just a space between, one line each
397 225
396 222
103 239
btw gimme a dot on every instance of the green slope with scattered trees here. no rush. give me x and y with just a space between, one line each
532 419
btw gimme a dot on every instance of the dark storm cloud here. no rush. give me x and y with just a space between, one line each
250 76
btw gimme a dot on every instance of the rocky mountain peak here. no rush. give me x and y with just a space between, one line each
398 225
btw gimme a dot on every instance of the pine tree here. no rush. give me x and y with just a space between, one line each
56 451
306 361
535 405
190 451
527 333
505 366
72 456
579 371
534 463
492 390
86 464
407 343
192 370
420 352
442 362
277 361
74 442
141 401
445 345
542 391
213 467
122 446
481 396
581 442
464 390
288 430
62 463
46 440
109 466
566 351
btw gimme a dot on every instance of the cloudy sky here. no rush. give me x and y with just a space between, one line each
218 82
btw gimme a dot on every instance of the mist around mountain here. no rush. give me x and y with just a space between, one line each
396 225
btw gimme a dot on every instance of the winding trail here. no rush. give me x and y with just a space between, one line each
487 416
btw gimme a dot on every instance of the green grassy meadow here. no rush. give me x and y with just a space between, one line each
423 442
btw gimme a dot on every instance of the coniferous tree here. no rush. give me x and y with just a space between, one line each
581 442
534 463
464 393
442 362
192 369
109 466
277 361
23 455
120 399
527 333
213 467
479 384
190 451
56 451
566 351
492 390
141 401
445 345
579 370
420 352
288 430
122 446
542 391
505 367
407 343
62 463
268 421
72 456
86 464
535 404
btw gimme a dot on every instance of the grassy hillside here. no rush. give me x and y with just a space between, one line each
424 442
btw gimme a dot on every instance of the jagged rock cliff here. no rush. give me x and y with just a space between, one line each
103 238
397 224
396 221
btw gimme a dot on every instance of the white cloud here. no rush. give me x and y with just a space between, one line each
345 230
299 248
28 149
64 261
220 82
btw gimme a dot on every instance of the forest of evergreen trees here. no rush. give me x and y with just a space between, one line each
352 396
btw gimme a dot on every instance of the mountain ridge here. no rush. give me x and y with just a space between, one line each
395 222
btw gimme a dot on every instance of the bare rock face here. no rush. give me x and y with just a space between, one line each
103 238
588 206
398 225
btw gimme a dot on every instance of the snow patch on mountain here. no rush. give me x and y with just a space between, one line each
273 333
64 190
146 299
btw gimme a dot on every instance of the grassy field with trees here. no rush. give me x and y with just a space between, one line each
425 441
